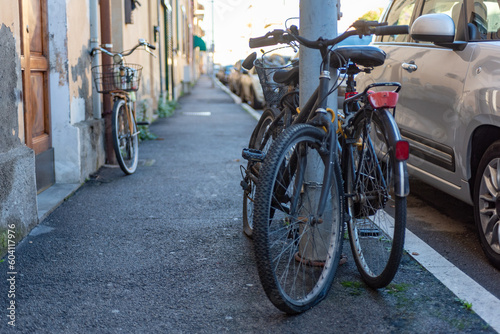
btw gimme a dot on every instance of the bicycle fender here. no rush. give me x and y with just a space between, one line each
401 182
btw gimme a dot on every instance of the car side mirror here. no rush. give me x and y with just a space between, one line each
436 28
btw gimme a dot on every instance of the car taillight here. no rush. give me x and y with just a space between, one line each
402 150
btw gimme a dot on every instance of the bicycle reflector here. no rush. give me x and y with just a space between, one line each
383 99
402 150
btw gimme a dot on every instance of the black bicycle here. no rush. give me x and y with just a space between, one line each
329 168
281 95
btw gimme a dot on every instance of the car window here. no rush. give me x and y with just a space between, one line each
452 8
484 20
400 13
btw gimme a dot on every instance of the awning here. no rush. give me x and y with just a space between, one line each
198 42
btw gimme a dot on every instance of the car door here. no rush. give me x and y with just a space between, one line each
432 79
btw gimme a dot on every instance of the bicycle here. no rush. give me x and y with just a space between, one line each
326 169
121 80
280 88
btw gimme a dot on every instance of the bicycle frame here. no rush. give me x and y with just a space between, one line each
120 94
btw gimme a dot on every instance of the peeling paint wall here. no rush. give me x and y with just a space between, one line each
126 36
77 137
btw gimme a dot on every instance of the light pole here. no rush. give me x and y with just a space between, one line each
317 19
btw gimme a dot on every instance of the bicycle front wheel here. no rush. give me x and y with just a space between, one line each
297 252
376 237
125 141
261 139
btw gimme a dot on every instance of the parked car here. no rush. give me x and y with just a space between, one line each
251 90
223 74
449 104
234 78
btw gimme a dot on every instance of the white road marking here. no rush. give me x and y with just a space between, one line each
486 305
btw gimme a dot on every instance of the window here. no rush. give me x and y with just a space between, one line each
400 13
452 8
484 19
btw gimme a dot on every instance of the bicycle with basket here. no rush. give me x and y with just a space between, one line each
329 168
121 80
280 87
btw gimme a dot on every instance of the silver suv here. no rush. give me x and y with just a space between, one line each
449 106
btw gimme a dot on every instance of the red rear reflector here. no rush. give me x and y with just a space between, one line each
349 94
402 150
383 99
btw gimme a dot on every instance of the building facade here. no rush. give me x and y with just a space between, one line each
53 121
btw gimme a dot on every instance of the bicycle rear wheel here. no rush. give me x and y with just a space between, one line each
297 252
261 139
125 142
376 238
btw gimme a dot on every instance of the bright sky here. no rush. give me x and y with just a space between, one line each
238 20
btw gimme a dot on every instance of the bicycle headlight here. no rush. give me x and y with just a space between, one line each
117 58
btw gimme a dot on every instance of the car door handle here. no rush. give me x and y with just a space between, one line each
410 67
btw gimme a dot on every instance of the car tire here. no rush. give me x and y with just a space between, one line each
252 101
487 203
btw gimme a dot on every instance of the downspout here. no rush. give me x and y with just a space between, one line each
106 42
94 42
158 39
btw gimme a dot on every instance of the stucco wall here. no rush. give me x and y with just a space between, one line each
77 136
18 211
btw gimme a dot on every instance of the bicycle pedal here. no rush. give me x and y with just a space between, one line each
251 154
143 123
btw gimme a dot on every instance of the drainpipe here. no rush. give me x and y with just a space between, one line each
105 60
158 40
94 42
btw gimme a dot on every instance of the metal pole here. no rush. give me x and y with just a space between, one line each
213 46
317 19
94 42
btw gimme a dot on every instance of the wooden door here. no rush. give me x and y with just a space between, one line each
35 74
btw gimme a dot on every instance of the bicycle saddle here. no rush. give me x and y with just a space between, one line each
287 76
366 56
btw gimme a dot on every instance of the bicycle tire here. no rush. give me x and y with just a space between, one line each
376 238
125 144
296 273
258 141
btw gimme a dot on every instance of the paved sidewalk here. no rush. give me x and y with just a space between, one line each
162 251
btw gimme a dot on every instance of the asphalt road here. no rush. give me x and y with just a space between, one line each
447 225
162 251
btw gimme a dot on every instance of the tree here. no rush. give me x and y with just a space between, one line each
372 15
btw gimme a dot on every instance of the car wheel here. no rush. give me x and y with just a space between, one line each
242 94
487 203
252 101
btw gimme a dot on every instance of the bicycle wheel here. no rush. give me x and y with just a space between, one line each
259 141
297 252
125 143
376 238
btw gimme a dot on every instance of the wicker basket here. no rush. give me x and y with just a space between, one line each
113 77
273 92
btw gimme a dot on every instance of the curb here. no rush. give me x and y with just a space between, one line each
237 100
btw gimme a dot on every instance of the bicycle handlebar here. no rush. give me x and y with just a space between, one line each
274 37
361 28
142 42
